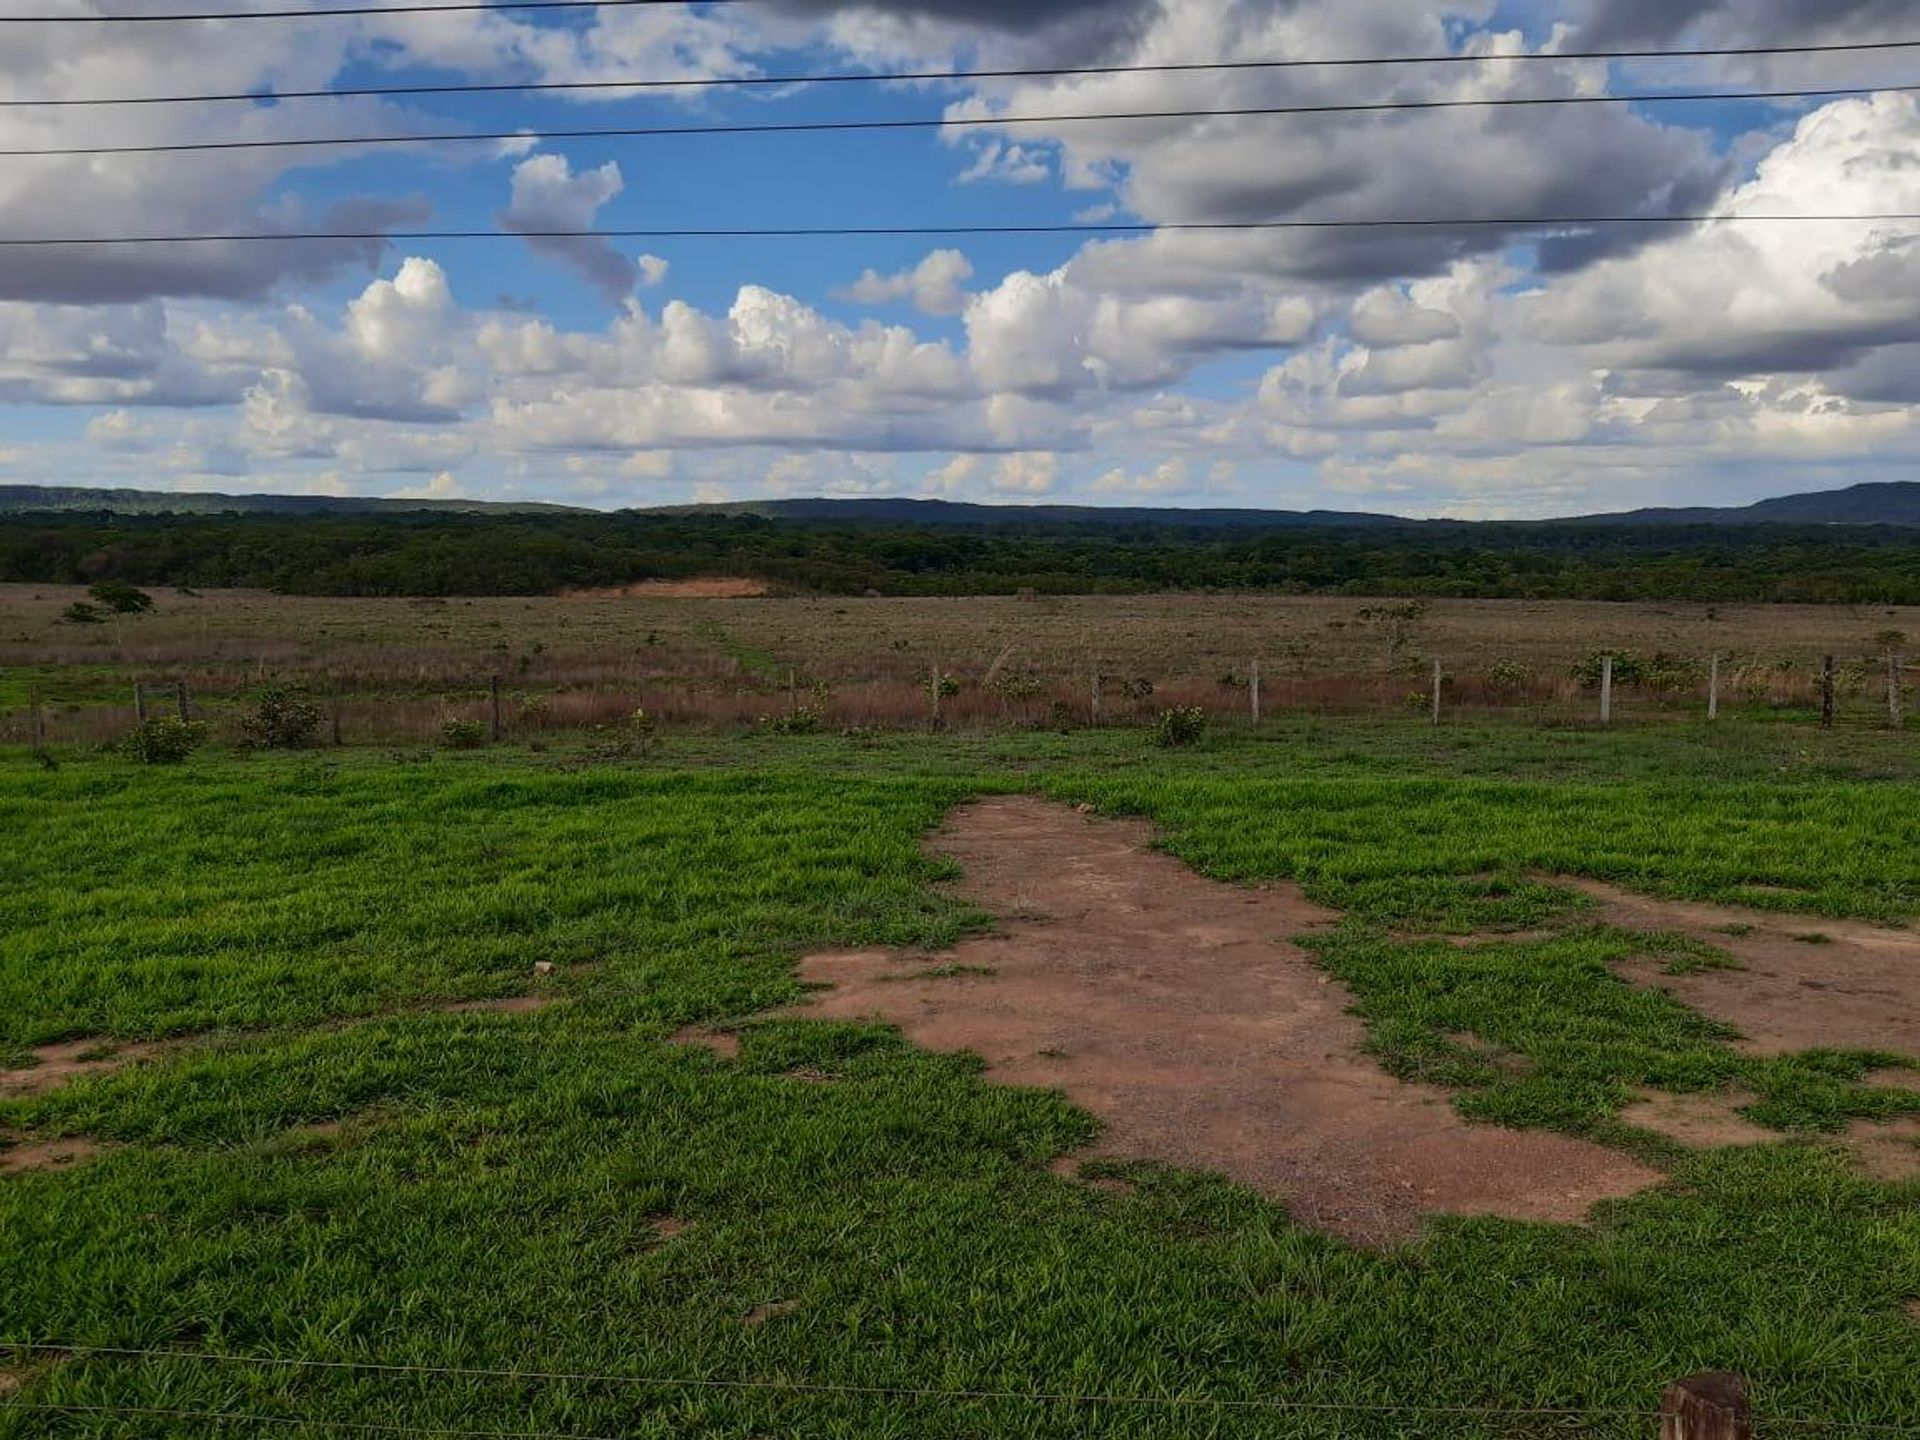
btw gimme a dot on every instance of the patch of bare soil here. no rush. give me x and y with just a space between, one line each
1176 1010
506 1005
1895 1079
772 1310
1705 1121
57 1065
712 588
1858 990
45 1155
1886 1150
723 1043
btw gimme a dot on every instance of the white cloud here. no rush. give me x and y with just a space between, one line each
548 196
936 286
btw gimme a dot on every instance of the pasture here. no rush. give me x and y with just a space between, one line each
508 1069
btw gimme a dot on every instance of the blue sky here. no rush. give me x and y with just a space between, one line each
1420 373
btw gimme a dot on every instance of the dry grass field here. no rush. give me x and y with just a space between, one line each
398 668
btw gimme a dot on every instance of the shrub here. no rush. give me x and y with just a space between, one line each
942 686
1627 668
280 720
121 598
630 739
1016 685
462 734
1181 726
163 740
1060 717
805 720
81 613
1509 676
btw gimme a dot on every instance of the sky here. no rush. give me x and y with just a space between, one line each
1503 371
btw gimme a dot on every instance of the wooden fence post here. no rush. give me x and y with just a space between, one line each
1606 690
1094 708
1437 677
1713 686
493 698
1826 693
1253 691
140 702
39 720
181 701
1712 1406
333 717
793 690
934 689
1896 717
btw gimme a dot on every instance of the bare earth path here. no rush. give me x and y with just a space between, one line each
1176 1010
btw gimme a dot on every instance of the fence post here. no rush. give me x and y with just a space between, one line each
1826 693
181 701
1606 690
493 698
333 716
1437 676
933 689
1713 686
1094 710
39 720
793 690
1895 716
140 702
1253 691
1712 1406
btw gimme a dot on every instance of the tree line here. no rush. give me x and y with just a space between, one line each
465 554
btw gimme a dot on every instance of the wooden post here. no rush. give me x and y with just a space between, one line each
333 715
1896 717
1253 691
493 698
1826 693
1437 677
1712 1406
934 690
1606 690
39 721
793 691
1094 708
1713 686
139 702
180 700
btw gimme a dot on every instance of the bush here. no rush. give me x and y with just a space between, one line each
802 721
942 686
280 720
121 598
1181 726
462 734
632 738
81 613
163 740
1509 676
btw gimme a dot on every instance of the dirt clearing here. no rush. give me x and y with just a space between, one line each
57 1065
1804 983
1176 1010
20 1159
715 588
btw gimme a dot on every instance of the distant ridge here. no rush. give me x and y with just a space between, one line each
1895 502
16 499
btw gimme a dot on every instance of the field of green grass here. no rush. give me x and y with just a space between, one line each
604 1233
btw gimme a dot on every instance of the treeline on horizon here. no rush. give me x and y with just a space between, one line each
464 554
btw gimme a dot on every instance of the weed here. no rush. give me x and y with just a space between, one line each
163 740
1182 726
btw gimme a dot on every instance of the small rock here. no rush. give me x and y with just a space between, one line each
543 967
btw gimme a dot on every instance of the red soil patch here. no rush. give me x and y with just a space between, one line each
723 1043
1858 991
1176 1010
668 1227
57 1065
46 1155
507 1005
714 588
1886 1150
1706 1121
772 1310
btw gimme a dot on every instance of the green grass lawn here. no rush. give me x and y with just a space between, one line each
497 1192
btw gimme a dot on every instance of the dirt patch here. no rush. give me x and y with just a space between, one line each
37 1155
772 1310
722 1043
1857 990
1177 1010
1894 1079
1886 1150
1068 1167
667 1227
713 588
506 1005
1705 1121
57 1065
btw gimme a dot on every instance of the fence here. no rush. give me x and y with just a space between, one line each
1601 688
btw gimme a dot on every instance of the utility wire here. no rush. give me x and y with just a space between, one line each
796 127
531 87
798 232
465 5
304 1422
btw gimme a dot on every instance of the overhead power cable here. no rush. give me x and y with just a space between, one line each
1524 222
857 77
797 127
165 16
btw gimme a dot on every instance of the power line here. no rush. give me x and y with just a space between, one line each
795 127
1533 222
530 87
468 5
305 1422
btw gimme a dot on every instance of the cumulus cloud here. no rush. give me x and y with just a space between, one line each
548 196
936 286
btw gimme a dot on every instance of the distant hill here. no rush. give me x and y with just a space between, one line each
18 499
1892 502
